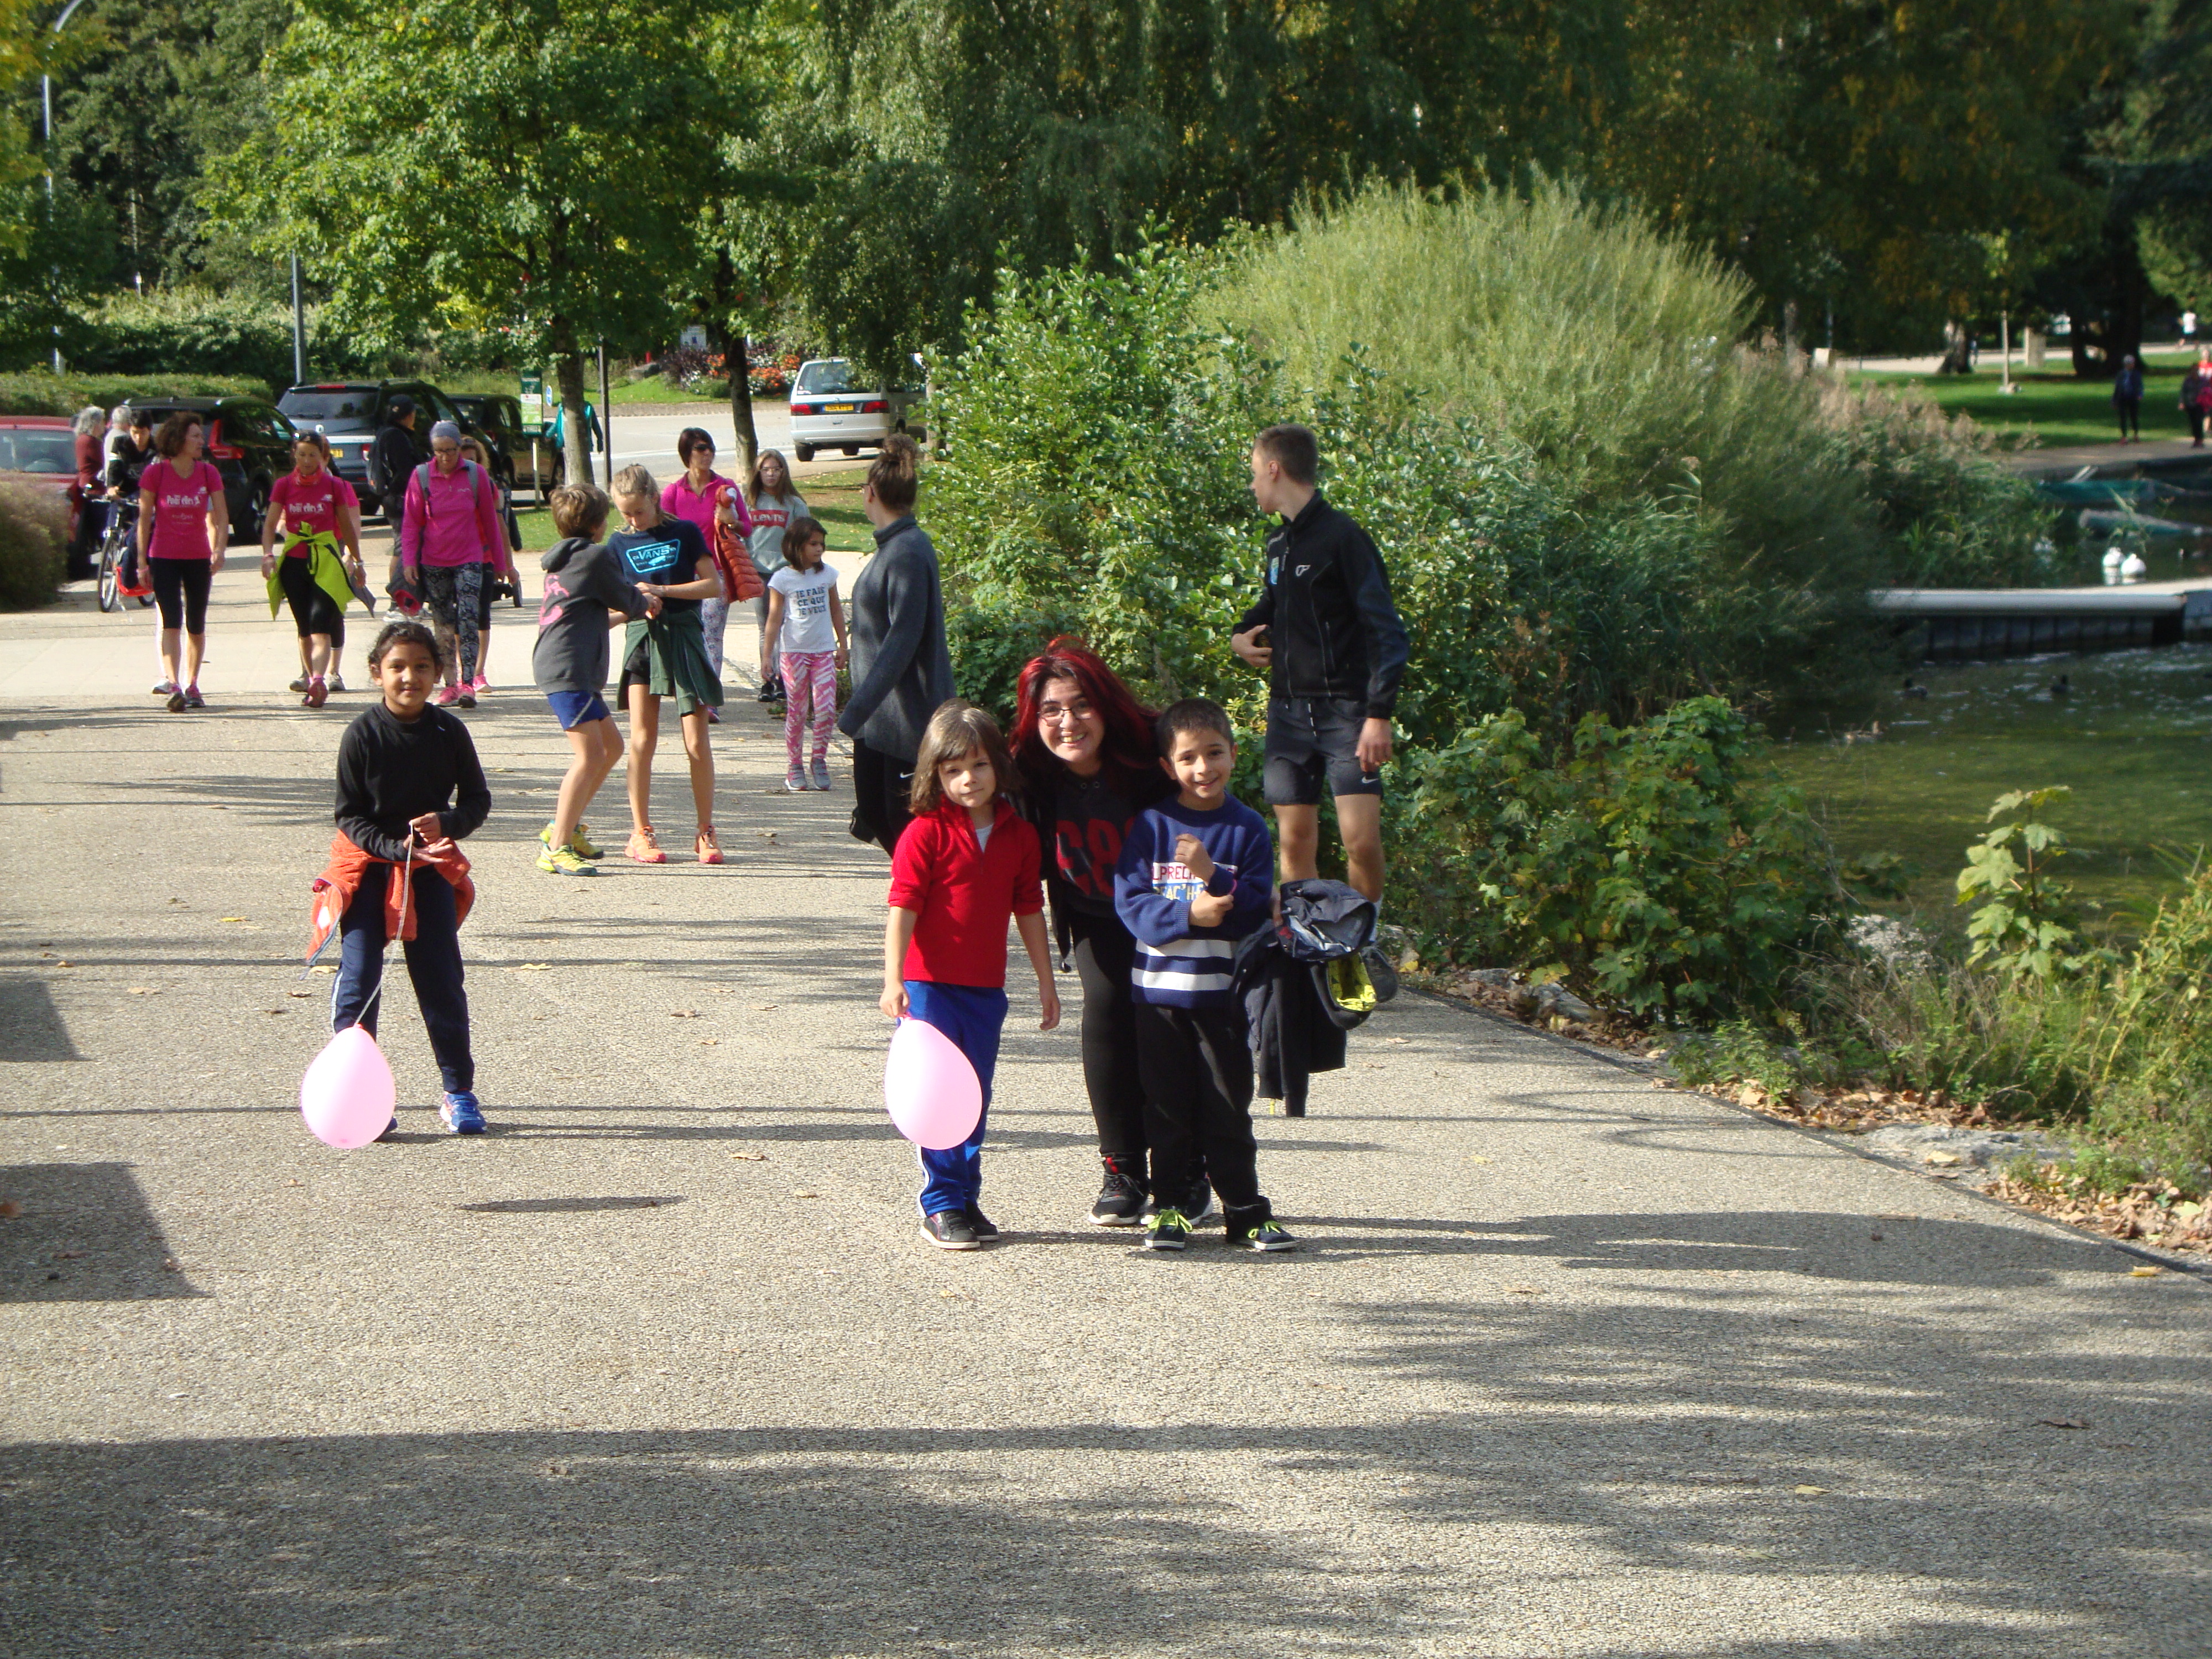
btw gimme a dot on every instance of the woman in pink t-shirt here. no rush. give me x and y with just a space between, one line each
184 524
321 519
700 497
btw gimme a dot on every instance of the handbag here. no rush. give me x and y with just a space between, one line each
741 577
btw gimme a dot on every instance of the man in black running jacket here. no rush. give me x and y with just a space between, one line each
1335 650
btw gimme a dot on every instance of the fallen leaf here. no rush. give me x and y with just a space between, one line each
299 993
708 1043
2063 1422
230 918
1943 1160
1522 1290
66 965
765 1008
1477 1158
276 1010
169 1264
139 990
2145 1273
1810 1491
684 1013
751 1157
806 1194
532 967
10 1208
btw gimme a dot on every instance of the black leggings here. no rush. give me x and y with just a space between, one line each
881 787
313 611
1105 953
180 588
2131 412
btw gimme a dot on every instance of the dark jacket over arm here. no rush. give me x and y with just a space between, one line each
1335 633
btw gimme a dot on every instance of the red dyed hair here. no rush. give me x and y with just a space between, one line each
1129 750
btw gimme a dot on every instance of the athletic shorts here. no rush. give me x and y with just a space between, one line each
180 588
575 709
1310 739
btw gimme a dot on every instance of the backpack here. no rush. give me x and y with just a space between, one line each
475 485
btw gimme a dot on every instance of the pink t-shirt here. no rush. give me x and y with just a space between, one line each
311 507
181 508
680 500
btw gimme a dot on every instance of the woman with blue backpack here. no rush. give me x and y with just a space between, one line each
450 532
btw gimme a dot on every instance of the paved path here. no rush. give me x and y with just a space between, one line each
1571 1365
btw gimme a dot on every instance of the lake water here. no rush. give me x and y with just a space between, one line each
2133 740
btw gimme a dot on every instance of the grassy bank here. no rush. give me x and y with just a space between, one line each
2050 405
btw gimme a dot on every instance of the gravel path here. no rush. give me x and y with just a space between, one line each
1570 1365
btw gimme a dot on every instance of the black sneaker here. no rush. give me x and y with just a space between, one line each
1196 1206
1167 1230
771 690
985 1231
1261 1236
949 1230
1120 1201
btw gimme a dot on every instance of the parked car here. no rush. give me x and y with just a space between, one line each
508 438
831 408
350 413
39 451
250 443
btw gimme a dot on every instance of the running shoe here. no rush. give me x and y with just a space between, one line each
949 1229
1120 1201
1261 1235
562 861
192 698
821 778
447 696
391 1131
580 841
162 688
467 699
336 681
176 703
1167 1230
318 693
300 684
708 849
794 781
981 1225
480 685
771 690
1195 1205
461 1115
644 847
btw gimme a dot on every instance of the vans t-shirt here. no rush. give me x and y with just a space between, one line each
806 625
666 556
181 508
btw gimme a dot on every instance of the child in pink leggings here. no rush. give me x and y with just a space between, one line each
806 635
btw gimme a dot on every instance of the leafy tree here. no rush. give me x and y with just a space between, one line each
533 164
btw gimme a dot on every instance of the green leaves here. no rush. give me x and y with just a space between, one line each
2027 925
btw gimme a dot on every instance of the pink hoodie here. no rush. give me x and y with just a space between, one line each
448 529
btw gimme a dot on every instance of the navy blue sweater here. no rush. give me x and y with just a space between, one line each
1177 964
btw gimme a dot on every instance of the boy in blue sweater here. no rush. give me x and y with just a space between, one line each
1194 879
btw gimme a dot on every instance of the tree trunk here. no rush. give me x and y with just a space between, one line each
575 439
1958 357
736 362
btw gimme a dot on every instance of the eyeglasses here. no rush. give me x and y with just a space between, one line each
1050 713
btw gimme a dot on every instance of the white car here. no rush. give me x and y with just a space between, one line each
830 410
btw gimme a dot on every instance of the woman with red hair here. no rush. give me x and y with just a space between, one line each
1085 747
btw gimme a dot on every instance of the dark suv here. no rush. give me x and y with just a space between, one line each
517 460
249 443
350 413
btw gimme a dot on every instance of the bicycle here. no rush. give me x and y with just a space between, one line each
115 551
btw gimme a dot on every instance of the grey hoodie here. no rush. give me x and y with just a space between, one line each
902 669
584 581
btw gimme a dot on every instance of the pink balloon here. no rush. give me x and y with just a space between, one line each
931 1091
347 1094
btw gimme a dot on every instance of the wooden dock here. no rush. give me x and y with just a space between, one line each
1965 624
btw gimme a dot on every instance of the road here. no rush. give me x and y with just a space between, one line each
1569 1364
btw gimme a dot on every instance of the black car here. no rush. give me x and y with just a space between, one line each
350 413
249 443
522 463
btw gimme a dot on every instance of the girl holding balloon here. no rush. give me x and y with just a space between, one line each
965 865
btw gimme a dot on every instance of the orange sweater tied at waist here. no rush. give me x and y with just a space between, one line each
335 888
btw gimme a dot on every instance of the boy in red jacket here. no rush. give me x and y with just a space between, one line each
966 863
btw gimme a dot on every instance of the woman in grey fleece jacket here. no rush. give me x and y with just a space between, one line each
901 667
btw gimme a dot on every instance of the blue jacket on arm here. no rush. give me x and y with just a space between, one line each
1179 965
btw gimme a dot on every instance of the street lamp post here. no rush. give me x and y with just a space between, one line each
47 108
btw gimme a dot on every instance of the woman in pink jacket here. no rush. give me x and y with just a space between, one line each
450 532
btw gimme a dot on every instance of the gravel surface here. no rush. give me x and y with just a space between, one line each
1569 1364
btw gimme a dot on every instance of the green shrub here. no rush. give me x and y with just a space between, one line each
39 392
1657 867
33 537
189 333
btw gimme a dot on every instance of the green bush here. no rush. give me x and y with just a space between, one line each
39 392
1659 867
33 537
189 333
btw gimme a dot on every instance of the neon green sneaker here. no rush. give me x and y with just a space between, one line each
1167 1230
561 861
580 843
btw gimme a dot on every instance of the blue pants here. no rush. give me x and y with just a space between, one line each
972 1016
434 963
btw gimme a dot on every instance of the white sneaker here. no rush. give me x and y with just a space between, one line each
163 688
335 682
